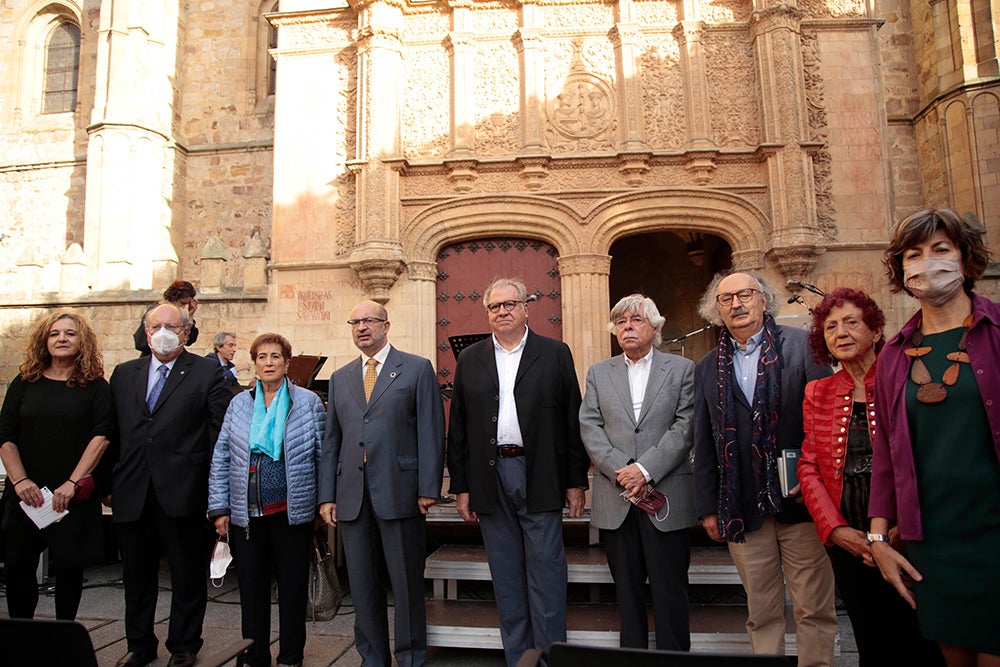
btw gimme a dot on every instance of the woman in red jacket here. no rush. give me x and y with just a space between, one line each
835 477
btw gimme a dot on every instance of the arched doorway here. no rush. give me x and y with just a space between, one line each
673 269
465 269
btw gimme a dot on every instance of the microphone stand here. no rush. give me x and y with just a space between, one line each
683 339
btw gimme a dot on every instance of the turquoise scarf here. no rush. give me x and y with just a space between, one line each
267 427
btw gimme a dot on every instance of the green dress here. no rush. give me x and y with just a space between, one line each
958 483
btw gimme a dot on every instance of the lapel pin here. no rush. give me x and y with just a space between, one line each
392 375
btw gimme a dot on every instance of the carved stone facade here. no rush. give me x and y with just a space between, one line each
791 134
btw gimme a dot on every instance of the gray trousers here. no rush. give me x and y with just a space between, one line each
528 565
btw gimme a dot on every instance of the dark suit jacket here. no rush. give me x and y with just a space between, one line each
231 381
401 428
547 396
172 447
797 368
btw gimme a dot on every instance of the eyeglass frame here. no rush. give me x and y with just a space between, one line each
726 298
175 328
497 305
368 321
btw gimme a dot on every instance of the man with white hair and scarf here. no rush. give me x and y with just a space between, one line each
748 408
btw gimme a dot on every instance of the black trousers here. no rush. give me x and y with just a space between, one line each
186 543
885 627
273 549
637 550
21 561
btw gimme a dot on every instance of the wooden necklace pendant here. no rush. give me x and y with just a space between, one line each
929 391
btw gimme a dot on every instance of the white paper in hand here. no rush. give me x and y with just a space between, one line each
43 516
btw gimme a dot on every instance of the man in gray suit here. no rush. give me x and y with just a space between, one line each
381 469
635 422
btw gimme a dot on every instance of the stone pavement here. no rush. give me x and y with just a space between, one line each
329 643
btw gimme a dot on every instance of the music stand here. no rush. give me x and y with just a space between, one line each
462 341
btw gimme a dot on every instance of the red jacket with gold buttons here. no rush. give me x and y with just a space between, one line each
826 415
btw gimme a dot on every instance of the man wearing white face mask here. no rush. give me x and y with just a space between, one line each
169 408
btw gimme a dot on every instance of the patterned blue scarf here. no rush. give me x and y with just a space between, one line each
267 427
763 443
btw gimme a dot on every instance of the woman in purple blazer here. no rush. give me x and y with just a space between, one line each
936 455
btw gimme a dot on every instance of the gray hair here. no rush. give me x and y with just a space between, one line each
219 339
638 304
185 318
516 283
708 307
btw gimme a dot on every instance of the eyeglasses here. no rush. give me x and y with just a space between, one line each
744 296
635 321
367 321
506 305
176 328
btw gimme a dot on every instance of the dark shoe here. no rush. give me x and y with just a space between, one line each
136 659
182 659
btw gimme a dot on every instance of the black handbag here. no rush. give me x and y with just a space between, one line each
325 594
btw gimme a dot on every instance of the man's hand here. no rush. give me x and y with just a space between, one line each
796 492
575 499
462 505
710 523
631 478
222 525
425 503
328 511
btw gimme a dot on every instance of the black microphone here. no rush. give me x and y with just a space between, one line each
806 286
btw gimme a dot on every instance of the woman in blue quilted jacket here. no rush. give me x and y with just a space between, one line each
262 493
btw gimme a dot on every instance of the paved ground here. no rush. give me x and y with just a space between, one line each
329 644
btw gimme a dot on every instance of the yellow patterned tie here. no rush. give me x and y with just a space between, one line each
370 377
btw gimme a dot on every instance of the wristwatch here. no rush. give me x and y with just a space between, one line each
877 537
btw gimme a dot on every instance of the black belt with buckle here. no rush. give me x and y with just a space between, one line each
508 451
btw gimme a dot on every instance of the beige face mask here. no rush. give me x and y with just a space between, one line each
934 279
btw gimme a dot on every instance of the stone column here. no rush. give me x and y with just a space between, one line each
776 35
585 305
529 41
378 254
462 48
130 163
625 38
421 308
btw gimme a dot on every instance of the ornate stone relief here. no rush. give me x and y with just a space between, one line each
580 106
725 11
655 13
432 25
837 9
306 33
732 91
497 94
595 16
818 129
346 218
665 123
492 21
425 122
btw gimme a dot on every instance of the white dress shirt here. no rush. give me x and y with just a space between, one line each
379 358
638 378
508 428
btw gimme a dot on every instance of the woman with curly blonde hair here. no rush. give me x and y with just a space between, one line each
54 428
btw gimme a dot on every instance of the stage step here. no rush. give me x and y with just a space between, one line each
714 628
586 565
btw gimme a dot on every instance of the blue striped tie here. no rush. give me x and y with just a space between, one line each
161 379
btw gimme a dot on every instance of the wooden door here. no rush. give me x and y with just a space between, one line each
466 269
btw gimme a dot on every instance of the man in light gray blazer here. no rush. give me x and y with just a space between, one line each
381 469
635 422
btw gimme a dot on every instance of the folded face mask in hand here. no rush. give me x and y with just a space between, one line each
221 558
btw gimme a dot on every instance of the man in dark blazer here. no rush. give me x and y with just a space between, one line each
167 421
381 470
224 344
748 408
636 425
515 457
